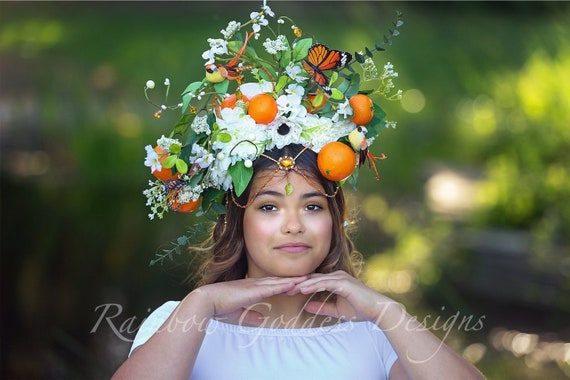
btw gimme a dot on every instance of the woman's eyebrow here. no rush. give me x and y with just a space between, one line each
311 194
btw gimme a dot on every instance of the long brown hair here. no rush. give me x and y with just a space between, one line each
227 254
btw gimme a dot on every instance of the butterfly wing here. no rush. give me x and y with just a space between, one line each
318 76
321 58
324 58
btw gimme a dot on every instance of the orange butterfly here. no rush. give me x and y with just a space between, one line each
321 58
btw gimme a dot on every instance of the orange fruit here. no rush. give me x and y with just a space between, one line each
362 108
184 207
230 101
262 108
336 161
163 174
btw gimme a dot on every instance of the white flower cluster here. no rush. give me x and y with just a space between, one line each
388 84
156 199
219 46
277 45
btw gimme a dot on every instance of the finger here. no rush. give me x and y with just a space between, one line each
322 308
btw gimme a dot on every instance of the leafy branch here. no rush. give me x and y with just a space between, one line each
393 32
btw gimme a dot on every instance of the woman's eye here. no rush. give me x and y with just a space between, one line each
268 208
314 207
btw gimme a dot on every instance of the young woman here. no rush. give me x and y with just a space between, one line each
279 297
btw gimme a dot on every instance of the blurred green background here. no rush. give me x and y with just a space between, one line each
469 226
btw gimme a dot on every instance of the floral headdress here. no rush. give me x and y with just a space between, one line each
257 96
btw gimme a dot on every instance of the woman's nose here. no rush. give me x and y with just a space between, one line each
293 224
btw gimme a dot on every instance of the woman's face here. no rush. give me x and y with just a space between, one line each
286 235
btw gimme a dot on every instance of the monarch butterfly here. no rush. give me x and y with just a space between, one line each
320 58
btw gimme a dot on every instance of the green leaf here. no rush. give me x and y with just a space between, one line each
334 77
285 57
181 166
337 94
169 162
224 137
212 197
354 85
301 48
183 124
281 83
353 179
222 87
241 176
174 148
288 189
192 87
186 98
218 208
318 100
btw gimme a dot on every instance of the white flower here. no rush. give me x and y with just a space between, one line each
167 82
390 124
293 72
275 46
290 107
282 132
202 157
189 193
150 84
155 198
239 137
268 11
258 21
218 175
321 130
230 30
165 143
200 125
295 89
152 160
344 109
218 46
369 70
251 89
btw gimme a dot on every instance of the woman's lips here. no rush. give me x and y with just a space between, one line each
293 247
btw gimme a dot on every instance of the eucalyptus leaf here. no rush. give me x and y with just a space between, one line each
218 208
169 162
354 85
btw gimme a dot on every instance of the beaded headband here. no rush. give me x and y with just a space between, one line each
254 97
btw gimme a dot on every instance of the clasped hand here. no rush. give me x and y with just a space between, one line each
352 299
